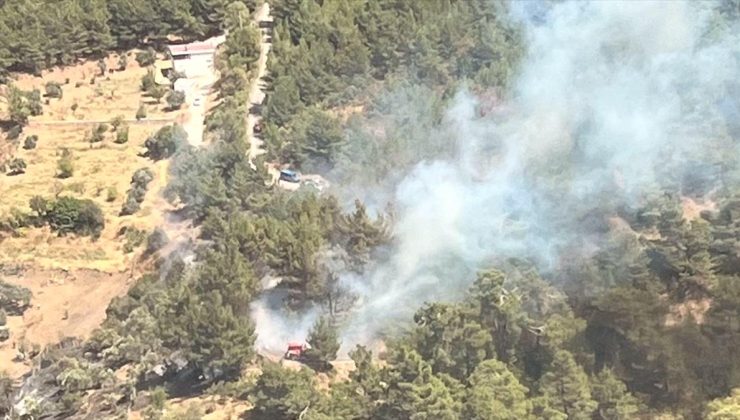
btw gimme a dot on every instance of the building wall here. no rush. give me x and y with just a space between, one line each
199 64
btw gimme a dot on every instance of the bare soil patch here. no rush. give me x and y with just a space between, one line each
64 304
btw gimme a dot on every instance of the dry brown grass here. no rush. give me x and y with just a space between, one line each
73 279
106 165
65 303
112 94
97 167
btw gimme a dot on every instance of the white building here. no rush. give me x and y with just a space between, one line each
194 59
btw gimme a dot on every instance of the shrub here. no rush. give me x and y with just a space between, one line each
142 177
17 166
30 142
157 92
116 122
147 81
135 196
134 238
111 194
72 215
175 99
14 299
165 142
65 166
97 133
122 62
34 102
14 132
53 90
141 113
66 81
122 135
78 84
130 206
156 241
146 57
174 75
102 66
74 107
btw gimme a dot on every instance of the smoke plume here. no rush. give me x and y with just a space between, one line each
612 101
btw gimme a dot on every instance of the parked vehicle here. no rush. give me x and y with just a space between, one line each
289 176
296 351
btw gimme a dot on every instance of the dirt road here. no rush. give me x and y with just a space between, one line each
197 91
263 20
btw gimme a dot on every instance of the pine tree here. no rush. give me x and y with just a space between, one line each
566 388
284 102
496 394
725 408
282 393
614 401
324 341
414 392
366 374
450 339
499 310
361 235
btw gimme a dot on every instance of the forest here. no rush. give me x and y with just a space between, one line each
638 317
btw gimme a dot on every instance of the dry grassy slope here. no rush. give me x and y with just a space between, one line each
73 279
97 167
68 303
115 93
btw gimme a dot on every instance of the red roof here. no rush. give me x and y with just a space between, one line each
194 47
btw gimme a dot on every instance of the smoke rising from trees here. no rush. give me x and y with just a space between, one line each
612 101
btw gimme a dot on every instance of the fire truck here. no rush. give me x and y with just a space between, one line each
296 351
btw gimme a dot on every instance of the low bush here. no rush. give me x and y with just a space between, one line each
135 196
156 241
17 166
70 215
121 135
134 238
30 142
141 113
165 142
53 90
146 57
65 167
111 194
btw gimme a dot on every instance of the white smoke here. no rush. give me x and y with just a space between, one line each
610 94
612 100
274 328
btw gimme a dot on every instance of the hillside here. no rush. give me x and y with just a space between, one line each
494 210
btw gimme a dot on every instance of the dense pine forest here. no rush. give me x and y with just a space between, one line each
633 312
